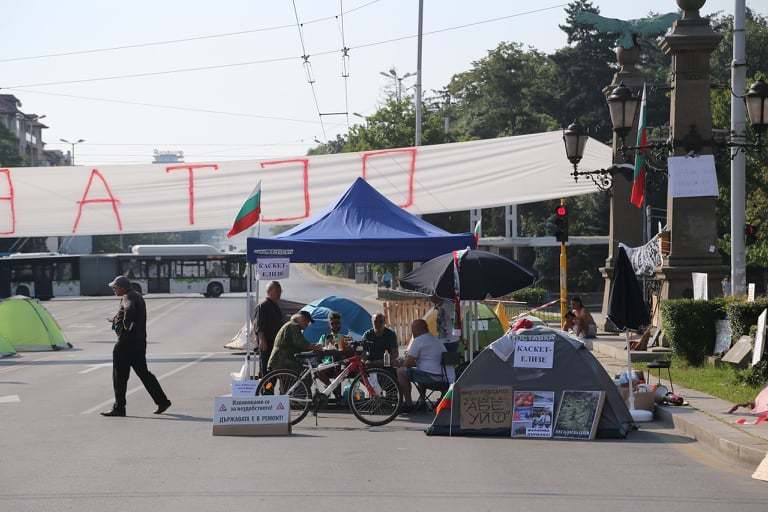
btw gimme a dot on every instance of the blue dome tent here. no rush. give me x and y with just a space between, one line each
355 320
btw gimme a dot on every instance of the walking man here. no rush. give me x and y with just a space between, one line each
130 325
268 319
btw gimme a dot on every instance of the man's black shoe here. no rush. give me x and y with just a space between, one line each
162 408
115 412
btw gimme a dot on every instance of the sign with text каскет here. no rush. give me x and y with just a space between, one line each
273 268
534 354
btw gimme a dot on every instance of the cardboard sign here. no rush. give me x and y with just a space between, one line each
700 291
692 176
534 354
485 408
244 388
757 352
273 269
265 415
723 336
751 292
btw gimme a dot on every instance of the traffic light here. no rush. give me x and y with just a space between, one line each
561 223
750 232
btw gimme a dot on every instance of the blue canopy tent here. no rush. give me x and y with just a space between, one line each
355 320
362 227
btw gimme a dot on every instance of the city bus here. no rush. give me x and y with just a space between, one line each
151 269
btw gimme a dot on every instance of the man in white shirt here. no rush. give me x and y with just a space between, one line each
423 362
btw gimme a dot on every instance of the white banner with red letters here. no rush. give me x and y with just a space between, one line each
113 199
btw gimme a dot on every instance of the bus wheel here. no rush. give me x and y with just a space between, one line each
22 290
137 288
214 290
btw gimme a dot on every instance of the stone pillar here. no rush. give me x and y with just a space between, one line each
693 221
626 223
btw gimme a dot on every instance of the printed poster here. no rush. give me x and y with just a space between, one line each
533 414
579 414
485 408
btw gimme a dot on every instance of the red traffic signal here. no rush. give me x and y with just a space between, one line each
561 211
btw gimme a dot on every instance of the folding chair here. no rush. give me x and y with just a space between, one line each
427 388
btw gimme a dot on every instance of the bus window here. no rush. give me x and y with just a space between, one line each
64 271
215 269
131 269
22 272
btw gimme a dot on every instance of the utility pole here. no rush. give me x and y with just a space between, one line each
738 180
418 74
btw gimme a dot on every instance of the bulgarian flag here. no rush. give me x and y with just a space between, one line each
249 212
477 232
638 183
445 402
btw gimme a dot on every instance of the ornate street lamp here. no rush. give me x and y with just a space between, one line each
623 105
575 138
756 100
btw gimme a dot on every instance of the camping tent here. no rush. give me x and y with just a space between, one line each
6 349
354 318
28 326
363 226
488 326
573 368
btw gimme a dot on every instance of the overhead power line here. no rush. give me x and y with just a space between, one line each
286 58
308 68
177 41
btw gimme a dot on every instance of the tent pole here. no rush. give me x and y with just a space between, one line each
630 373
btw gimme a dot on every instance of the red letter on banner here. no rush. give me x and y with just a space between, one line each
111 199
191 183
305 163
411 168
10 198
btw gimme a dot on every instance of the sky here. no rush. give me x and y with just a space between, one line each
262 107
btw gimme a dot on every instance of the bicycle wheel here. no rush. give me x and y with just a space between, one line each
377 403
286 382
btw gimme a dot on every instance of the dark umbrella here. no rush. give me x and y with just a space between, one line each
481 274
626 309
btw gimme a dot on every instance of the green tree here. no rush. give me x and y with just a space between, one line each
9 149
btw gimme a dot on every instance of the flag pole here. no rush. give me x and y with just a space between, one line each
258 288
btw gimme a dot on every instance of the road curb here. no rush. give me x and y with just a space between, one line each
727 440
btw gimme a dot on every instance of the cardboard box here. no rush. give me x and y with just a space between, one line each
644 400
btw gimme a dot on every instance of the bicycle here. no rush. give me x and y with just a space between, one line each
374 395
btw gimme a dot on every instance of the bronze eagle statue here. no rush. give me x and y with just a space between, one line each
628 30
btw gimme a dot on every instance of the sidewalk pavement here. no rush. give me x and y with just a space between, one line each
705 419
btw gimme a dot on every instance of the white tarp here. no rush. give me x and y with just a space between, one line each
112 199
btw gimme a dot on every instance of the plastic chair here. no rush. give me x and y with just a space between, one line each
426 389
658 365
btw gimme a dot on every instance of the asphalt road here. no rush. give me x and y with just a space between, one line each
58 454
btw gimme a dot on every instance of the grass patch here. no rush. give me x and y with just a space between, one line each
720 382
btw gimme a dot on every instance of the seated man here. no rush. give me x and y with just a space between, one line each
379 340
289 341
334 339
584 325
423 362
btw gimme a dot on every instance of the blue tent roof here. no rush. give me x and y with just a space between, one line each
354 318
363 226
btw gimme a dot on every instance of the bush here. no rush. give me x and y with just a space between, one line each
531 296
755 376
690 327
743 315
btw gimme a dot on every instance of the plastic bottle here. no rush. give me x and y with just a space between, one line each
387 362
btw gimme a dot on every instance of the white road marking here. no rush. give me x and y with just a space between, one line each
10 399
93 368
161 377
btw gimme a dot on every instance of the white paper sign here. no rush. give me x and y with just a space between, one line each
751 292
723 336
534 354
273 268
692 176
757 352
700 291
260 410
244 388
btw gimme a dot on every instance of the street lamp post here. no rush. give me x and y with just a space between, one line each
398 79
72 144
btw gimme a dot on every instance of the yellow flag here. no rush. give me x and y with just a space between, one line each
501 314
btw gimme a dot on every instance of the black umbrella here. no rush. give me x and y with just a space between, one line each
481 274
626 309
